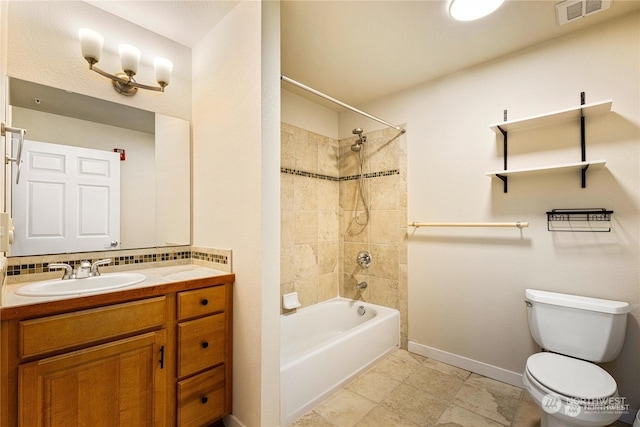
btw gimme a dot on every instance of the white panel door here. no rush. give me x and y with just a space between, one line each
67 200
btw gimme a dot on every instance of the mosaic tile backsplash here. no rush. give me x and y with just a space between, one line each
29 268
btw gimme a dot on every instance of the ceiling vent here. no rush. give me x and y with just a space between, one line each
571 10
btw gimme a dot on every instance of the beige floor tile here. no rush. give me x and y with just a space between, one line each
404 354
494 386
421 408
447 369
344 408
396 368
380 416
373 385
456 416
311 419
487 403
435 382
527 415
526 397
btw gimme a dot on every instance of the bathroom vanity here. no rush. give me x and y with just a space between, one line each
158 354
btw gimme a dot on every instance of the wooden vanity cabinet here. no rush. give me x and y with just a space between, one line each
160 359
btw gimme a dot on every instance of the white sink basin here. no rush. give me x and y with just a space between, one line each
88 285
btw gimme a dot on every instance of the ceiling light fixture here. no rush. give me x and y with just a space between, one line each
91 44
470 10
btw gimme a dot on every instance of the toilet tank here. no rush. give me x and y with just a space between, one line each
587 328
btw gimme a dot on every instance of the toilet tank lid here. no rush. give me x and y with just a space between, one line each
577 301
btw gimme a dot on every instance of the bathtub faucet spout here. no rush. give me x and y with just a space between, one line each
362 285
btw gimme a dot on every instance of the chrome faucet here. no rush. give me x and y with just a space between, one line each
362 285
83 271
68 270
95 265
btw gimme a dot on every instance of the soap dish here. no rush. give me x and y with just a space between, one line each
290 301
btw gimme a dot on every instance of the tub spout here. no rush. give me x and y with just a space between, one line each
362 285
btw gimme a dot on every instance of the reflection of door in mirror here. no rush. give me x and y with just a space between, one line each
66 194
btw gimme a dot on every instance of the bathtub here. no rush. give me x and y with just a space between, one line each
325 345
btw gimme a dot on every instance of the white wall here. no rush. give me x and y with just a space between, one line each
309 115
43 47
466 286
230 161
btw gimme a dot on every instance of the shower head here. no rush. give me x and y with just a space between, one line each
361 139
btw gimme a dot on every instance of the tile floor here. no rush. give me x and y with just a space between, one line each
408 390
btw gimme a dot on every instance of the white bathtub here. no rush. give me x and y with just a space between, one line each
325 345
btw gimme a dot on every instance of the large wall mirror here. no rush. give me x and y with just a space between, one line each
150 204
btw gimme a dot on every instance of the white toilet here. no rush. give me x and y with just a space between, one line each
574 331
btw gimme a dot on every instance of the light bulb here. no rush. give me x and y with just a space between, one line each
91 44
163 68
129 58
470 10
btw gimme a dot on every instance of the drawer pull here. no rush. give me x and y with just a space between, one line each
204 301
204 400
205 344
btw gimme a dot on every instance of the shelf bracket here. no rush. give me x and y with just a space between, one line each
504 179
584 176
504 152
583 141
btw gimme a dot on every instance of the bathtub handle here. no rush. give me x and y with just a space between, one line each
205 344
204 301
204 399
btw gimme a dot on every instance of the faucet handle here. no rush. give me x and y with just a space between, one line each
68 269
95 265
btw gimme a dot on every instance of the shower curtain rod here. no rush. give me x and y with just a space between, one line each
342 104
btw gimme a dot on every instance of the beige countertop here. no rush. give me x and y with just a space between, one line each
155 276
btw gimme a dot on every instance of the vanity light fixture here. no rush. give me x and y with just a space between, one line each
470 10
91 44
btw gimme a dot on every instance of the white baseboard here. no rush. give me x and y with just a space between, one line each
467 364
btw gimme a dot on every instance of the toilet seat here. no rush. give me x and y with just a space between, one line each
572 378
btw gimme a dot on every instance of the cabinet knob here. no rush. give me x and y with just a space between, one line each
204 399
204 301
205 344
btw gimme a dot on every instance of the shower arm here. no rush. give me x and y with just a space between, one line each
342 104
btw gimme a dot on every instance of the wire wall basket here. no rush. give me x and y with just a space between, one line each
579 220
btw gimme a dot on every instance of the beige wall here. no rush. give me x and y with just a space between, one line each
384 234
320 238
232 170
466 286
310 238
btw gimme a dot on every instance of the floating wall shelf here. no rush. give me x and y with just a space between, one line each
555 117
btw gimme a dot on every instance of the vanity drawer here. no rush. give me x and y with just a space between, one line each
201 398
201 302
201 343
56 333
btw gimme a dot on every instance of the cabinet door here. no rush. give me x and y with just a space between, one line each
111 385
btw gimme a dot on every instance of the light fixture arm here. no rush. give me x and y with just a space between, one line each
125 84
91 45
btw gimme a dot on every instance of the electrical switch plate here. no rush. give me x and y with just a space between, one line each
6 231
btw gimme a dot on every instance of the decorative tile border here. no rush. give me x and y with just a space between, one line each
27 268
296 172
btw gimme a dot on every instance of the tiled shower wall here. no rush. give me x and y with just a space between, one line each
320 236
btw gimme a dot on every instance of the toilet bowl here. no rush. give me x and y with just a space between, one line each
571 392
575 331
